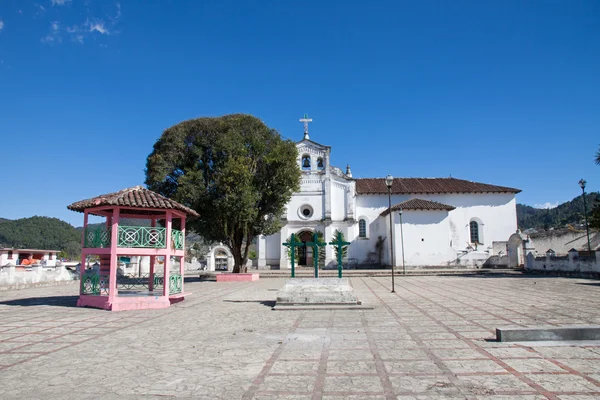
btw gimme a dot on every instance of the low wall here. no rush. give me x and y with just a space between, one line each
11 275
561 241
573 262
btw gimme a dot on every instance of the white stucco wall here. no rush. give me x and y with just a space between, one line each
426 238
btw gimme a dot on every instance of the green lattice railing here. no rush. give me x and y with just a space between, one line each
94 284
133 236
175 283
177 239
97 237
140 236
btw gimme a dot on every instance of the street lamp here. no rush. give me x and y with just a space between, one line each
582 183
402 241
389 180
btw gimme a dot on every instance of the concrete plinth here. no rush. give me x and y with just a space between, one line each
580 332
315 291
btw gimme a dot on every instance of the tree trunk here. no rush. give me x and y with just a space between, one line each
236 250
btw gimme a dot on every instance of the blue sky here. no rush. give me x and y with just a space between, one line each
502 92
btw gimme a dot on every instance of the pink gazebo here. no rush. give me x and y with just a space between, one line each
159 235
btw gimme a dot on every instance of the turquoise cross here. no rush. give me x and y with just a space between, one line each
340 243
315 244
293 244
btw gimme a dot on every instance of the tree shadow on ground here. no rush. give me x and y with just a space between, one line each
589 283
266 303
55 301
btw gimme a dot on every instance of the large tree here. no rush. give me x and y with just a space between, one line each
597 158
236 172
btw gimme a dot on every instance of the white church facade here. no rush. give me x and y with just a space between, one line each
435 221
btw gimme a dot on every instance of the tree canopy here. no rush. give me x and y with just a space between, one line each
235 171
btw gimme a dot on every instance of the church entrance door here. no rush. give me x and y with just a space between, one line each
305 252
302 251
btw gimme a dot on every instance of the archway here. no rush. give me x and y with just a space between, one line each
515 251
305 253
219 258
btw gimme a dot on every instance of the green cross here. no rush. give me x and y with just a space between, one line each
339 242
293 244
315 244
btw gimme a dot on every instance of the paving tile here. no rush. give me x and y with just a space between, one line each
349 367
352 384
563 383
420 384
425 366
533 365
492 384
473 366
294 367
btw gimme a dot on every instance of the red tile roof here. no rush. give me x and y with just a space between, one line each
427 185
419 204
135 197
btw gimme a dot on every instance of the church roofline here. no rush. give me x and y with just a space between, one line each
427 186
418 205
314 143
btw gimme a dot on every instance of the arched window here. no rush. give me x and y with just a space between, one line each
306 162
474 228
320 164
362 228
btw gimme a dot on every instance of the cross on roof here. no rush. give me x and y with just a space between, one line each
306 120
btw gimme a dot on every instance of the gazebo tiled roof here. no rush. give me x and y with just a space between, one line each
427 186
419 204
135 197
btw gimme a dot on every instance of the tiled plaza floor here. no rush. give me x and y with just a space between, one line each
429 340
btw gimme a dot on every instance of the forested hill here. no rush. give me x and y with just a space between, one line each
40 233
570 212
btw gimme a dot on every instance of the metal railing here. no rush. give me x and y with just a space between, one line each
94 284
133 237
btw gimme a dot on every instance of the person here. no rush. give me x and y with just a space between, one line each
29 260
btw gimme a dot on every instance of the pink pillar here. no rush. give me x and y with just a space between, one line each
167 252
182 265
152 260
112 279
83 254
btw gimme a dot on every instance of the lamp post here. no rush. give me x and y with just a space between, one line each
389 180
582 183
402 241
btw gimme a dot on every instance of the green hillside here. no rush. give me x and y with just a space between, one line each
41 233
570 212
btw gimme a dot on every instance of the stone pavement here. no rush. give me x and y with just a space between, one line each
429 340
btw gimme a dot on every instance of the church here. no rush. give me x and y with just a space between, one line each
434 221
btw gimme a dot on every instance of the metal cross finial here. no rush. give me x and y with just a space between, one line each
306 120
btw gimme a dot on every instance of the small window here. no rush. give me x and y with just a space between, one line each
10 255
362 228
306 162
474 228
320 165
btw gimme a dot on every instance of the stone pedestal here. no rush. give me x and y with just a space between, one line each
317 291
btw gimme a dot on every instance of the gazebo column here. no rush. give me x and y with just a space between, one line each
182 261
152 261
112 279
83 253
167 253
